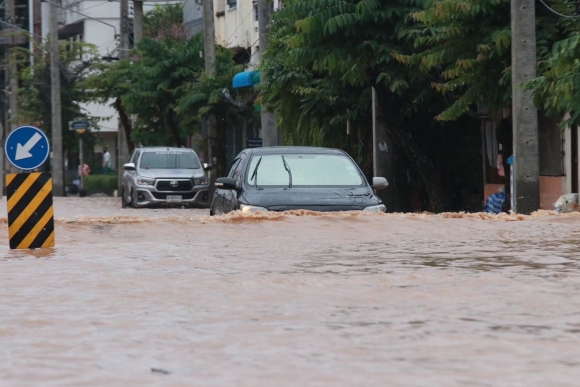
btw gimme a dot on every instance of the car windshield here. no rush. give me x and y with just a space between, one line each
169 160
305 170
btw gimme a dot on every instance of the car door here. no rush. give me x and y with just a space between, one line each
219 194
230 200
128 175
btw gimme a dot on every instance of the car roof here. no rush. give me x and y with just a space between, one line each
165 148
292 149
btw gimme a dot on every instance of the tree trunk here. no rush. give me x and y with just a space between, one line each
126 122
174 129
437 199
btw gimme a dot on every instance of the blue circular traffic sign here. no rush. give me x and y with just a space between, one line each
27 148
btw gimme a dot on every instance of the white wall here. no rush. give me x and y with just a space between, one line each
101 35
238 27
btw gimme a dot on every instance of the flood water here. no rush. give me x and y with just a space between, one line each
176 298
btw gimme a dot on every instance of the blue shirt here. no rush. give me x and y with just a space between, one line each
494 203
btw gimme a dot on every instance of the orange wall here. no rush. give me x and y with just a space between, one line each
551 188
490 189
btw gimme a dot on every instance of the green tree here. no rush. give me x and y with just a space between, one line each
164 22
558 82
34 88
106 84
466 46
349 47
213 94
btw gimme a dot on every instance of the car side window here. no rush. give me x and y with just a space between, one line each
134 158
237 172
233 167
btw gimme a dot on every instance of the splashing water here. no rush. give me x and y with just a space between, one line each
175 297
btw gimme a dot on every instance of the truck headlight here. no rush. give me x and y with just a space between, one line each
379 208
201 181
145 181
247 208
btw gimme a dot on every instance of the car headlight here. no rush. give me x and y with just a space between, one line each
201 181
145 181
247 208
379 208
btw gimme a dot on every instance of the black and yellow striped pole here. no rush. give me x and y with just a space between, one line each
29 194
30 210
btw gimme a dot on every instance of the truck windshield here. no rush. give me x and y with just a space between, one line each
169 160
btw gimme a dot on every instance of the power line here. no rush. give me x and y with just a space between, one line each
21 29
239 25
82 14
557 13
95 6
253 44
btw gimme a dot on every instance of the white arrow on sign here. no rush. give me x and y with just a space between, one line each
23 151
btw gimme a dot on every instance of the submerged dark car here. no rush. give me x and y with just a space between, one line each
295 178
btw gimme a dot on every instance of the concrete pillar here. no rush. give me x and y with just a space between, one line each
525 115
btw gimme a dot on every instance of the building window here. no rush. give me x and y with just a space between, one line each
232 3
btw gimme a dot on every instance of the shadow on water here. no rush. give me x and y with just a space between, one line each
44 253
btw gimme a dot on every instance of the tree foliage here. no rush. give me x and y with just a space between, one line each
163 84
558 82
34 93
164 22
349 47
466 45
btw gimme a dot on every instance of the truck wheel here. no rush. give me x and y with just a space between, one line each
133 200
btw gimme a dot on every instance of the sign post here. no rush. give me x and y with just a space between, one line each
30 207
81 126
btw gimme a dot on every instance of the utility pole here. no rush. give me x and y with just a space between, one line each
57 159
13 70
122 147
209 57
137 21
10 73
525 115
270 135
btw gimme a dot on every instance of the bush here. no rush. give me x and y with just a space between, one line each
101 184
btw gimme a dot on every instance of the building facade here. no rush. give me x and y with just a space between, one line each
96 22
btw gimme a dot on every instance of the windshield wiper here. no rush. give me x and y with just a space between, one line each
255 173
289 172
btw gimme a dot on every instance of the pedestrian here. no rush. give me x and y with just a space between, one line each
106 161
495 202
86 170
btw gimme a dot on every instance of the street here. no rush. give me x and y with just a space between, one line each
173 297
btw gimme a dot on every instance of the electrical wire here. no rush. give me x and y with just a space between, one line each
241 23
95 6
107 44
253 44
557 13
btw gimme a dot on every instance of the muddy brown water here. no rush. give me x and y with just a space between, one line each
176 298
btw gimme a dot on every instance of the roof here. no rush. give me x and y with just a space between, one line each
165 148
292 149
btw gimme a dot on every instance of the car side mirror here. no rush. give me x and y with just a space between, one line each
226 183
207 167
129 167
380 183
